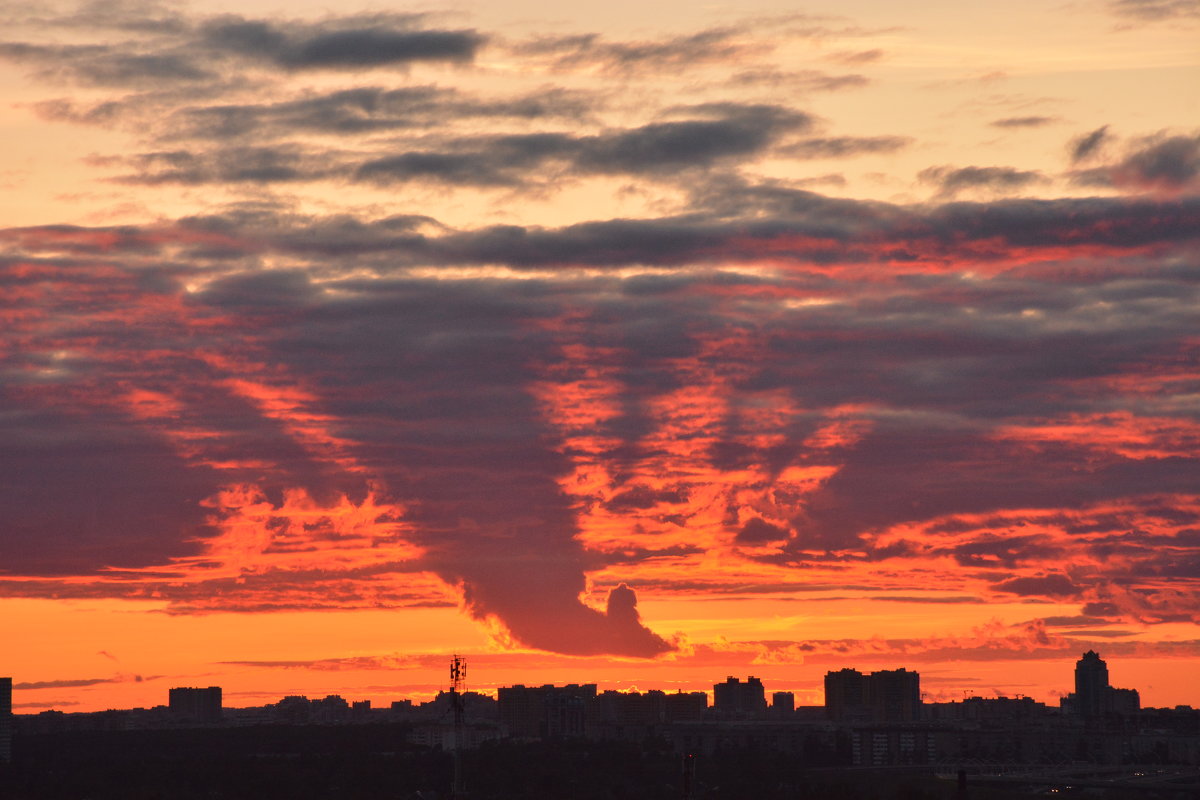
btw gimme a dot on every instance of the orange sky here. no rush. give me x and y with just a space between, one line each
632 346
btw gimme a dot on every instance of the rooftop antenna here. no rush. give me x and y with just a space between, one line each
458 682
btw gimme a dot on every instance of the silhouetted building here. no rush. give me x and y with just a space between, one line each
545 711
883 696
783 702
1093 696
637 716
991 710
1091 685
1124 701
894 695
686 706
6 722
845 695
189 704
294 709
733 698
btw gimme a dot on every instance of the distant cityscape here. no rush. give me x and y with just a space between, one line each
868 719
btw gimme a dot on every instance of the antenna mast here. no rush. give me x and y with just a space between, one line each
458 682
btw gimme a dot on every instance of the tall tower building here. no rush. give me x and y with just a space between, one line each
1091 685
5 720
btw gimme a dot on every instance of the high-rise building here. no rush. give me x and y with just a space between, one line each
1091 685
783 702
1094 697
545 711
196 705
735 698
883 696
5 720
894 695
844 693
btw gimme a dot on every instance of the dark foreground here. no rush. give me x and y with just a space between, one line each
372 762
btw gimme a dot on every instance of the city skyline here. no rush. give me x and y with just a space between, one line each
642 344
897 687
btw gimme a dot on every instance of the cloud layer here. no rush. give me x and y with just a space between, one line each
314 391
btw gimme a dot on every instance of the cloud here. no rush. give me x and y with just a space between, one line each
74 683
952 180
1023 122
858 56
594 52
1056 585
720 132
1163 164
343 43
711 135
800 80
361 110
101 65
844 146
1087 145
323 425
1154 10
758 531
259 408
389 663
198 51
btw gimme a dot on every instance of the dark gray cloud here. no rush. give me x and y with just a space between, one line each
952 180
343 43
722 132
104 65
713 135
201 51
737 221
592 51
366 110
1055 585
844 146
1085 146
1023 122
236 165
1164 163
800 80
759 531
69 683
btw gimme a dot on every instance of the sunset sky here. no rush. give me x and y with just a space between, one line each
635 343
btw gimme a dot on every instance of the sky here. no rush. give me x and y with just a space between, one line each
637 344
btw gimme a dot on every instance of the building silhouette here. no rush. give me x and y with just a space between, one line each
1094 697
1091 685
189 704
545 711
6 721
845 694
735 698
783 702
883 696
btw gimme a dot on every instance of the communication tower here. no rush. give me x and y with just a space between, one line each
458 683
